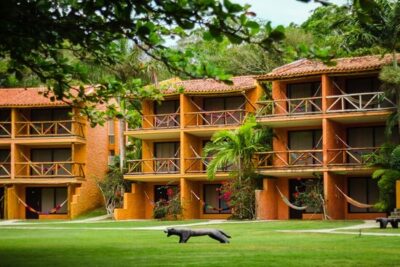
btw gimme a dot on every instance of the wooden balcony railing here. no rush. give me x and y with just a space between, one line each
5 170
50 128
359 102
159 121
290 158
199 165
351 156
5 129
290 106
153 166
67 169
213 118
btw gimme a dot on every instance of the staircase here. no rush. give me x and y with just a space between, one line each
395 214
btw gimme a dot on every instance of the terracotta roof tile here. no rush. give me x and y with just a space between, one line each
20 97
210 86
306 67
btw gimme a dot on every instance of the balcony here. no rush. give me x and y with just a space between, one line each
199 165
5 129
290 159
5 170
351 156
154 166
67 169
359 102
50 128
215 118
290 107
160 121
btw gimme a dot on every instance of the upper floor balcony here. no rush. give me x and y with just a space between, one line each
359 102
289 159
349 156
5 129
54 128
154 166
290 107
5 170
215 118
159 121
53 169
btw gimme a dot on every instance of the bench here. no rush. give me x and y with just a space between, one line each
383 222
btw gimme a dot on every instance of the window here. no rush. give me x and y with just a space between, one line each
362 85
52 197
47 156
299 91
111 157
111 132
305 140
167 114
165 192
45 117
364 190
167 157
234 104
5 116
366 137
215 202
5 169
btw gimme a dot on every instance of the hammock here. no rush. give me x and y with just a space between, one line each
354 202
287 202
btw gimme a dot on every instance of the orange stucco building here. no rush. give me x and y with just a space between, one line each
173 135
326 119
48 157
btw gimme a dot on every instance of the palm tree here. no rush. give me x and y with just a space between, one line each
237 148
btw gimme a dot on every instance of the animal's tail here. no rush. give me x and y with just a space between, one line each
225 234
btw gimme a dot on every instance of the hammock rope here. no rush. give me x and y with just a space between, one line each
353 201
52 211
148 198
287 202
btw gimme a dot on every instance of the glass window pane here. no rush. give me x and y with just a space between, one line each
47 199
358 191
61 196
211 199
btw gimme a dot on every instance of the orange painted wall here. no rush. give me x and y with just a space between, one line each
267 201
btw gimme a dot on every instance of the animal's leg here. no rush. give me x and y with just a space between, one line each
185 238
181 239
220 238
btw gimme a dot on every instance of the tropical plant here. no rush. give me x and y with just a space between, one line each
387 160
237 148
170 208
113 187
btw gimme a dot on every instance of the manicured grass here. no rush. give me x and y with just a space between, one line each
252 244
94 213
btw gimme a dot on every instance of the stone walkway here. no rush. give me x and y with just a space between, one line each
23 225
357 230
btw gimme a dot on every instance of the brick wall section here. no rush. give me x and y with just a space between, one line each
88 197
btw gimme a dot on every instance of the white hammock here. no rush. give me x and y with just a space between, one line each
354 202
287 202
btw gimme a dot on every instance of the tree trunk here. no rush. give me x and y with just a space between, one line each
121 143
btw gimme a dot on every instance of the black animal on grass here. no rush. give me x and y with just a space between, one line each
185 234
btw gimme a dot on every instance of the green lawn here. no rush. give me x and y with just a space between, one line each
252 244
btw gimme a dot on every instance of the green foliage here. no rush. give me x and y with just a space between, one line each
388 172
241 197
113 187
168 209
65 43
237 149
312 195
